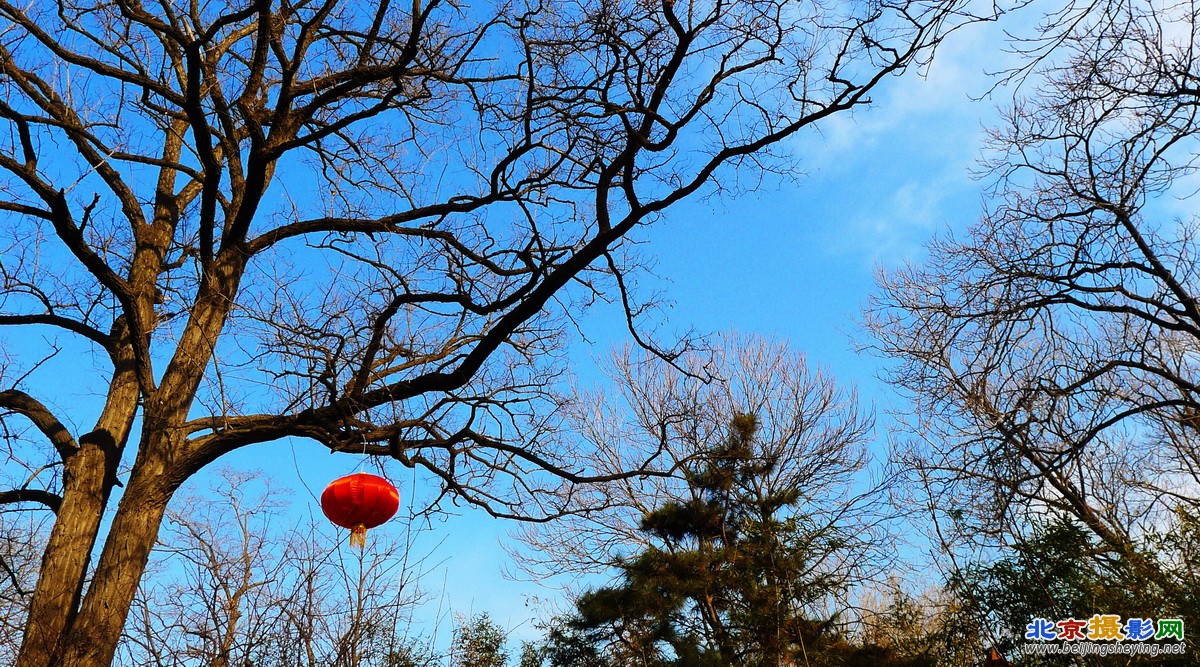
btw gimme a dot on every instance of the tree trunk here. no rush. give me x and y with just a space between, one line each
65 561
57 636
89 474
92 639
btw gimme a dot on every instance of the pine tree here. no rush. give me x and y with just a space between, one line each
732 575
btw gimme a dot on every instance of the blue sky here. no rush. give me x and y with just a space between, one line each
794 261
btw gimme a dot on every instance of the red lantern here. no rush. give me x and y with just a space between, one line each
358 502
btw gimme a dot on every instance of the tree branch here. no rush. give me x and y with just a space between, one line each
51 500
42 418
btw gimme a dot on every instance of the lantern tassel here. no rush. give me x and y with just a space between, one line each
358 537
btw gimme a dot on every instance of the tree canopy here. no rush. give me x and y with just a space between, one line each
1050 351
366 225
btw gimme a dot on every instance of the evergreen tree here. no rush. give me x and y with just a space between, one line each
733 573
1060 570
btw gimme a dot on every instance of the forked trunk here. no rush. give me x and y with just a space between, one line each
65 562
92 639
89 474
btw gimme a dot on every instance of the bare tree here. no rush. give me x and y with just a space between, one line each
1052 353
802 490
233 582
360 224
